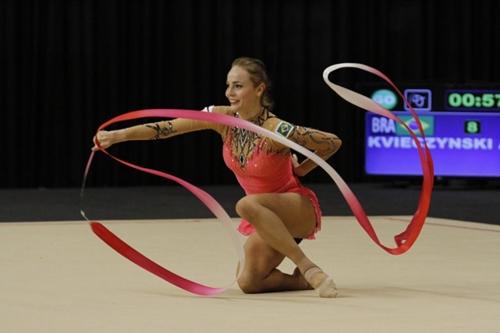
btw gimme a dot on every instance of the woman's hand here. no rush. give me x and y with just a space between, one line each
106 139
297 170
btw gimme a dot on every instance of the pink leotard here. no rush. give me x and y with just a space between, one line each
267 172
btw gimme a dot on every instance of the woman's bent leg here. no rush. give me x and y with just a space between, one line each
278 218
260 273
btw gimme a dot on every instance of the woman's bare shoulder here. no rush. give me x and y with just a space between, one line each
223 109
278 125
281 127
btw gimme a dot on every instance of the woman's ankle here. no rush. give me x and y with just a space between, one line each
305 264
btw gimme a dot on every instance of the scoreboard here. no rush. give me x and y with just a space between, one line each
461 127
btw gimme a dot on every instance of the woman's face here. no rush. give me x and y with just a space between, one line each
241 93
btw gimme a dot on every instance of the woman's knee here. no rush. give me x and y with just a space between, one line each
249 283
247 207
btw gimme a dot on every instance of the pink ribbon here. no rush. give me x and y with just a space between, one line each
407 238
404 240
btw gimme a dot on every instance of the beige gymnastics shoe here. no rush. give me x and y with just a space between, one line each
325 287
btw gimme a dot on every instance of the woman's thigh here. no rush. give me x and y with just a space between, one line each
294 210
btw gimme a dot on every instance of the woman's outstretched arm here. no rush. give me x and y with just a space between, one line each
157 130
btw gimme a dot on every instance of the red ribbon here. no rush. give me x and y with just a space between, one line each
404 240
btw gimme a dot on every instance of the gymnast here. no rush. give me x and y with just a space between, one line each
277 211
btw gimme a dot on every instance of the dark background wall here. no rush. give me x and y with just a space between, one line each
68 65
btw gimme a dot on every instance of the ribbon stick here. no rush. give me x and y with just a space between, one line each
404 240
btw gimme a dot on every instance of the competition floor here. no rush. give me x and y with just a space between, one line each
59 277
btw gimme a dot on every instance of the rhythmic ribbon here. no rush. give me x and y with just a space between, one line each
404 240
407 238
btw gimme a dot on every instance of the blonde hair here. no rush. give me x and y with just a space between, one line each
258 74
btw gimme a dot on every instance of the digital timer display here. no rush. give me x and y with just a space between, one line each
472 100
